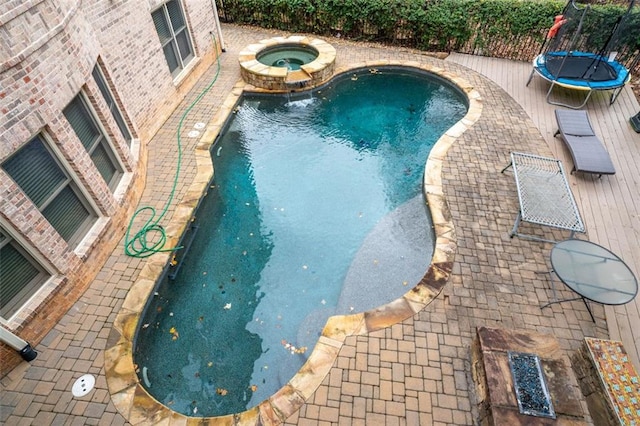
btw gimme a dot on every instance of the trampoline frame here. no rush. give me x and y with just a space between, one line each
539 67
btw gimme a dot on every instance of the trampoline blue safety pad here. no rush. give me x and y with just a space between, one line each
580 71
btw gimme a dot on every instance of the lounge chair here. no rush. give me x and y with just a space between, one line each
587 151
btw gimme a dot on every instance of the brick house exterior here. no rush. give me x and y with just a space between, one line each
59 54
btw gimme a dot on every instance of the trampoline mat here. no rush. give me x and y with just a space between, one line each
581 68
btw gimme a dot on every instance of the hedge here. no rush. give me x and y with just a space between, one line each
513 29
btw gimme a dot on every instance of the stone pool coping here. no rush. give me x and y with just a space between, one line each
272 78
134 402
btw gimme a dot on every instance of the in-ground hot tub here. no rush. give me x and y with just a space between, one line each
289 56
287 64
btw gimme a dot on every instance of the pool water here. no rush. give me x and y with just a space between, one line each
291 57
316 209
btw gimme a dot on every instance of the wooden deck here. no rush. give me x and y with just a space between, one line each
610 205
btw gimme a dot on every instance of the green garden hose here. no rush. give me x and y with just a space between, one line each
151 238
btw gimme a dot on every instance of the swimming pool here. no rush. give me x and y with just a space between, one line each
293 175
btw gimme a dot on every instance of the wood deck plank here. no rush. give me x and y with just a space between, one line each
610 205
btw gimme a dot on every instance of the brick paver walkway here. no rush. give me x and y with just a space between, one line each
415 372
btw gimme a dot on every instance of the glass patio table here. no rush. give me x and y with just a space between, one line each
593 272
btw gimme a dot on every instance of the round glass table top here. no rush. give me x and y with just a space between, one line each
593 272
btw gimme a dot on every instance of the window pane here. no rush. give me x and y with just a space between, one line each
173 25
122 125
43 180
104 164
102 85
170 54
35 171
162 27
184 45
79 117
175 15
18 279
110 100
66 213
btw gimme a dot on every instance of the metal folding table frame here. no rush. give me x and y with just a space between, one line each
544 195
593 273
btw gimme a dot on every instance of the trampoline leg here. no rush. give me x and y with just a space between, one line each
585 100
530 77
615 94
553 83
549 101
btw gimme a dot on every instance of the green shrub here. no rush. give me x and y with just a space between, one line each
513 29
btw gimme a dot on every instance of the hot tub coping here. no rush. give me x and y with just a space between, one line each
280 79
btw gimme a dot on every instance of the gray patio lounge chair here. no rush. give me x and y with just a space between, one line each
587 151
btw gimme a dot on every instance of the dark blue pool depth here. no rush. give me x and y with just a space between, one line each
314 198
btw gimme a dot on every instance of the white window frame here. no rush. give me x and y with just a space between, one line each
46 272
104 140
85 199
183 63
114 107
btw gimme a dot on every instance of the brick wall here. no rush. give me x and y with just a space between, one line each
47 53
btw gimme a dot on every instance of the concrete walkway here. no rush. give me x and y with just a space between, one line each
417 371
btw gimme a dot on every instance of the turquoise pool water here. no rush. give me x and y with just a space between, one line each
316 209
291 56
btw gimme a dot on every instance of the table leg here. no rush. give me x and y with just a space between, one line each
553 288
588 309
556 300
514 231
516 225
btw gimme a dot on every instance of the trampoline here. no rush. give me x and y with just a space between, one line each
580 51
580 71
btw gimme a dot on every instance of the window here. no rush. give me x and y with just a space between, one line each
174 35
111 102
20 275
94 141
35 169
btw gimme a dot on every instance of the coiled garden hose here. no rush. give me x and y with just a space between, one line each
151 238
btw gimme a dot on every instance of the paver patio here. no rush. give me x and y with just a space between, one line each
418 371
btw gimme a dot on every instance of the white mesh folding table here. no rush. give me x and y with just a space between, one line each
544 195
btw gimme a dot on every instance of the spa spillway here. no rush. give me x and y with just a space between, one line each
287 64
